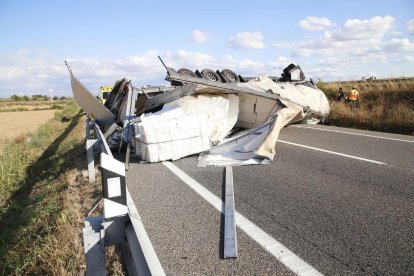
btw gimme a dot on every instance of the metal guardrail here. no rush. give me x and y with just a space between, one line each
120 223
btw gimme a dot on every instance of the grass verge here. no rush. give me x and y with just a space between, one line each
385 106
44 198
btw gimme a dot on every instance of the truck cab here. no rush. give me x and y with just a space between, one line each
104 93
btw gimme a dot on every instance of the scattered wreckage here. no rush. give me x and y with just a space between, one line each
230 120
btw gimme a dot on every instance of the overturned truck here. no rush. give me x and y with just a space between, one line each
226 118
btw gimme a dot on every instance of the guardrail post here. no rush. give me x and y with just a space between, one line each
113 186
115 202
88 128
90 145
94 246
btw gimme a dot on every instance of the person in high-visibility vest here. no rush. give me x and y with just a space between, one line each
353 97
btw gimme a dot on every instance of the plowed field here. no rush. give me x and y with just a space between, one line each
14 124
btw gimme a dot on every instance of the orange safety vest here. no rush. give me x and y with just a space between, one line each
353 95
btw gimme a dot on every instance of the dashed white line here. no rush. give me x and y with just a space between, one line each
333 152
358 134
278 250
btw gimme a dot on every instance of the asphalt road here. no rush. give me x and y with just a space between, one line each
341 200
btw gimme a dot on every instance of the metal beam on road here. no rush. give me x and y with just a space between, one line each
230 237
274 247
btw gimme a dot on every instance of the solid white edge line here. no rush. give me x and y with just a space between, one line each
275 248
358 134
333 152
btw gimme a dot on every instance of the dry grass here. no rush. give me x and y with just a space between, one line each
31 103
18 124
43 200
385 106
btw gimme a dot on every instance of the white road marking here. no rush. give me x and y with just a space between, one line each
358 134
333 152
278 250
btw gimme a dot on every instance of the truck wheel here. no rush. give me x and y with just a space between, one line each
230 76
210 75
186 72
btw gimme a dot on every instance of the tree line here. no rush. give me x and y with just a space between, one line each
35 98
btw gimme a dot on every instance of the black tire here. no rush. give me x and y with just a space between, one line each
186 73
230 76
209 74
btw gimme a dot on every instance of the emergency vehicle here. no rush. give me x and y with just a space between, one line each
104 93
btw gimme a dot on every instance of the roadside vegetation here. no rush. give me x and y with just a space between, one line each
24 103
384 106
44 197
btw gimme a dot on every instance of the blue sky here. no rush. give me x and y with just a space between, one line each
108 40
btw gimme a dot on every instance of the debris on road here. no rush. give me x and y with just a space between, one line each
230 120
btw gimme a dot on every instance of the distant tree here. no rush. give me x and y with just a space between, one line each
63 98
25 98
55 98
15 98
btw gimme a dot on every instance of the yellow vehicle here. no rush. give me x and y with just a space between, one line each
104 93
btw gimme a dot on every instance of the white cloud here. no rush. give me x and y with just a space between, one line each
312 23
397 45
356 29
198 36
182 58
357 47
362 40
303 52
410 28
326 72
280 62
22 71
28 73
246 40
406 59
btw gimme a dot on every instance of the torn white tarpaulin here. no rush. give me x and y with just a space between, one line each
170 134
256 146
299 94
254 110
237 151
290 114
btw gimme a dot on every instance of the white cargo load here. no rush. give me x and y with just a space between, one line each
170 134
